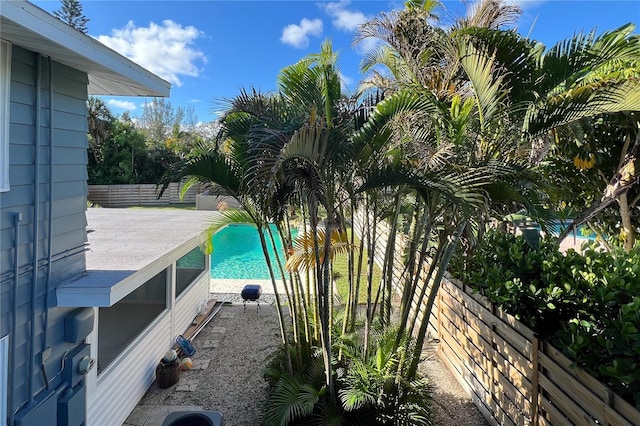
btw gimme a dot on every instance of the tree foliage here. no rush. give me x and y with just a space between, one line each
130 151
70 13
448 141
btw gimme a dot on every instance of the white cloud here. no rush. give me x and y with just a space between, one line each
366 45
525 4
298 35
121 104
166 50
343 19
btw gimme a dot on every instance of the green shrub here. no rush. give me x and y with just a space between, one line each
586 305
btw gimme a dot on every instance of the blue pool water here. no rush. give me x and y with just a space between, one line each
581 232
237 253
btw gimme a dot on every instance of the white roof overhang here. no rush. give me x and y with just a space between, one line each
26 25
127 247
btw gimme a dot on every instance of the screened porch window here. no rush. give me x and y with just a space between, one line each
188 268
119 325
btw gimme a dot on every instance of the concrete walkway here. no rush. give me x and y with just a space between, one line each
229 290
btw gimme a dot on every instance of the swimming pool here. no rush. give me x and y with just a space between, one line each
237 253
583 231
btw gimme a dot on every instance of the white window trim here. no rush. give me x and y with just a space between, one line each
5 84
4 377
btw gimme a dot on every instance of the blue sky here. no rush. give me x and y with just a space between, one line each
209 49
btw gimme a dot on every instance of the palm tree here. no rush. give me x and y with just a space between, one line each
471 107
100 123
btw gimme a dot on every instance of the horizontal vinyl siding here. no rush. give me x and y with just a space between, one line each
126 381
69 203
187 305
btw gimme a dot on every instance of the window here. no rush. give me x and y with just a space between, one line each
188 268
5 83
120 324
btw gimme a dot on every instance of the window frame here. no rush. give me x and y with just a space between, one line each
5 85
4 377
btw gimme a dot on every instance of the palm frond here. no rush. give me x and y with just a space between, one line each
303 255
208 167
596 98
480 68
402 101
218 222
570 60
292 399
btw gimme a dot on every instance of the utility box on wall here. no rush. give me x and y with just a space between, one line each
76 365
72 407
41 413
78 325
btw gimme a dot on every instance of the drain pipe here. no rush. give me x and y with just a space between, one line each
14 325
45 322
36 229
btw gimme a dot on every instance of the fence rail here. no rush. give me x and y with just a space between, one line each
139 195
513 377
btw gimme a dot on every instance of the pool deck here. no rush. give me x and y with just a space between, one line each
235 286
224 290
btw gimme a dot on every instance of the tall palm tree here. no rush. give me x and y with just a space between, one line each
474 103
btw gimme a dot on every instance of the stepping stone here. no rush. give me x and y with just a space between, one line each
210 344
227 315
187 385
200 364
219 329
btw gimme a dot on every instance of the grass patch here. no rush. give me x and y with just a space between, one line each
341 274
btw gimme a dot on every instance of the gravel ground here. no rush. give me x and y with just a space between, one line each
235 346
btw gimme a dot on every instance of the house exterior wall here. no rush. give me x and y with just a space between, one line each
115 393
42 92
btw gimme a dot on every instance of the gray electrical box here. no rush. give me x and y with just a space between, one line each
41 413
78 325
72 407
73 371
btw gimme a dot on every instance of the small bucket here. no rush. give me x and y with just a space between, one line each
168 374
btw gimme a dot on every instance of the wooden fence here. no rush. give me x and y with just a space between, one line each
139 195
513 377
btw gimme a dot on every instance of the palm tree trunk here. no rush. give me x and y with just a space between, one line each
425 285
411 283
371 246
325 312
356 291
283 331
348 309
424 323
389 261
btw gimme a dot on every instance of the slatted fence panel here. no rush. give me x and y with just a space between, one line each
139 195
512 377
524 381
